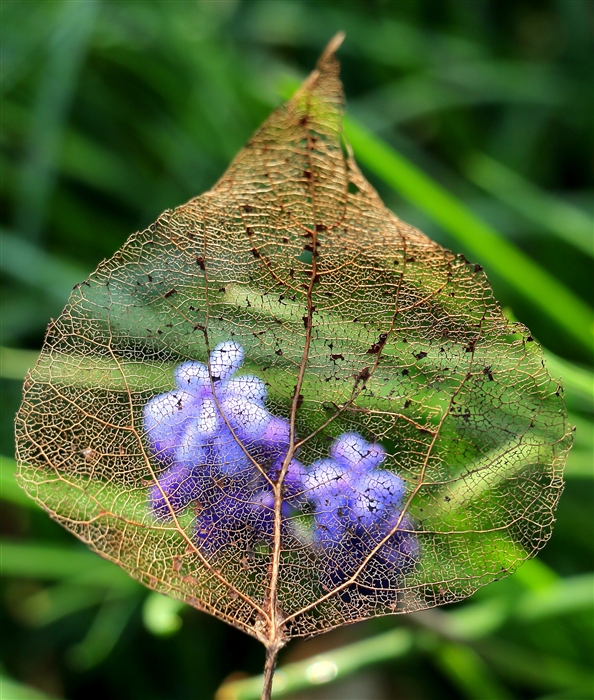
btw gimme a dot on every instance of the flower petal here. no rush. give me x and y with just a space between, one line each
225 360
176 489
165 418
249 387
353 451
192 377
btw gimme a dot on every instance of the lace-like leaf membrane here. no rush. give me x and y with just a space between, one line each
287 407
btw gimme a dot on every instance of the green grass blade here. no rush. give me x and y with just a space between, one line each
319 670
546 596
564 596
470 673
54 603
14 364
65 56
580 460
11 689
10 491
552 214
56 562
107 628
580 464
545 671
578 382
34 267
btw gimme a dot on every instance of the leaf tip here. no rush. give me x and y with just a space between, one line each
333 45
328 55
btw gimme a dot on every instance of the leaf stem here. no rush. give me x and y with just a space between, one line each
269 666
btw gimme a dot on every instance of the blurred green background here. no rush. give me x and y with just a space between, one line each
473 118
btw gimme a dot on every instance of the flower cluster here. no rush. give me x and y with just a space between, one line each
223 449
357 511
211 430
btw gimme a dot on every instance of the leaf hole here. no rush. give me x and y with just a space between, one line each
306 257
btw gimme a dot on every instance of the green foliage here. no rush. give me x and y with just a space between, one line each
114 111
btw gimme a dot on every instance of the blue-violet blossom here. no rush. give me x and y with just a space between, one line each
217 439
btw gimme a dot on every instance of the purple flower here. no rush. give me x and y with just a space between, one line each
275 438
165 417
247 418
331 523
325 481
193 377
377 494
216 527
239 519
356 505
177 487
382 568
355 453
293 483
230 457
224 448
249 387
401 549
224 361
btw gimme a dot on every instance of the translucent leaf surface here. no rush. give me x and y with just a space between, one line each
285 406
